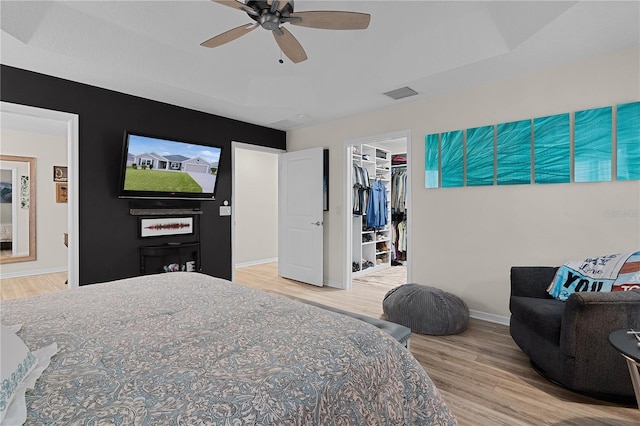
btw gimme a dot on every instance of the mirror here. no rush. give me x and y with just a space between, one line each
17 209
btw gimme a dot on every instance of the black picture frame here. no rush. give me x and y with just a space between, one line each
60 174
325 180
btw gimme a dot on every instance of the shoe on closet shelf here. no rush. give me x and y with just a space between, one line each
367 264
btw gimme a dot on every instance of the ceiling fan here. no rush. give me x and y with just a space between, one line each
272 14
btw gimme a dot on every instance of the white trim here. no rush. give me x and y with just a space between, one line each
72 122
242 145
348 222
486 316
407 204
333 284
33 272
256 262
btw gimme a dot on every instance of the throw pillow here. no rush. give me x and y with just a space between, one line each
16 361
21 368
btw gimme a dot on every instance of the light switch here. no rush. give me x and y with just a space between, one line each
225 210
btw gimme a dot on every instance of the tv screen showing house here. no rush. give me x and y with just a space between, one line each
162 168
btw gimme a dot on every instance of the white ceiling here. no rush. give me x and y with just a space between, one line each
152 49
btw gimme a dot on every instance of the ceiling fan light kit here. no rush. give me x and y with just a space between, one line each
272 14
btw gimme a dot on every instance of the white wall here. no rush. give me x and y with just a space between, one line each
464 240
51 217
256 206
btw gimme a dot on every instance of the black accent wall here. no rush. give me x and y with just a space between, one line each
108 233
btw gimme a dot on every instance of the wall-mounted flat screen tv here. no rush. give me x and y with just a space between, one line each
160 168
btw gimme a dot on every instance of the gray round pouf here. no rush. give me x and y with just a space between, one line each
426 310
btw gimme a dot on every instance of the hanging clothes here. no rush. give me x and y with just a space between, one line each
361 185
377 206
398 191
402 237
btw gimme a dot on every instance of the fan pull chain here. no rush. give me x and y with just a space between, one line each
280 60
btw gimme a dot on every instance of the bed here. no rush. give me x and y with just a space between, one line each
185 348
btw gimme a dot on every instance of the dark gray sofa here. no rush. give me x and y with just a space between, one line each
567 342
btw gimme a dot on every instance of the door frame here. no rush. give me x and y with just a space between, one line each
348 200
71 121
250 147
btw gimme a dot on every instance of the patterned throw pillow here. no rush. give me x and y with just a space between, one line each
16 361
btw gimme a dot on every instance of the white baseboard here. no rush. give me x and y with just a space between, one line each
485 316
256 262
333 284
33 272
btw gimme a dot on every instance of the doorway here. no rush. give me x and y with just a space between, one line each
254 213
398 146
70 124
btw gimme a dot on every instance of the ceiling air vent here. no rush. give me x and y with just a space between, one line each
401 93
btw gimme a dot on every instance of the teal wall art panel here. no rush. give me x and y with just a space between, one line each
514 153
431 161
452 157
551 149
480 162
628 141
592 145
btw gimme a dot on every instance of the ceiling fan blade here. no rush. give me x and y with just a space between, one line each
330 20
228 36
289 45
277 4
237 5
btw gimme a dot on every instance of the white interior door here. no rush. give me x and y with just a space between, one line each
300 230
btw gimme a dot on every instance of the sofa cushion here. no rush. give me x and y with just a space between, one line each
542 315
531 281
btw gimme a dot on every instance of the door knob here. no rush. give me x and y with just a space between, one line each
317 223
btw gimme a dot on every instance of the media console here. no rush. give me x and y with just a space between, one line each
154 259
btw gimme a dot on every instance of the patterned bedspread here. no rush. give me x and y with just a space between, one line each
189 349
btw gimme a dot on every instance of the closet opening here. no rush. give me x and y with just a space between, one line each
378 223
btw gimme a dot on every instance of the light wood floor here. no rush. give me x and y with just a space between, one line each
482 375
16 288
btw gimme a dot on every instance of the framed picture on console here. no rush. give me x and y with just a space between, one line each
162 226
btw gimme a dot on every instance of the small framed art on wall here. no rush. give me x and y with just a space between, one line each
156 227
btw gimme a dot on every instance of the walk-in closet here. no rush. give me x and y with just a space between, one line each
379 228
